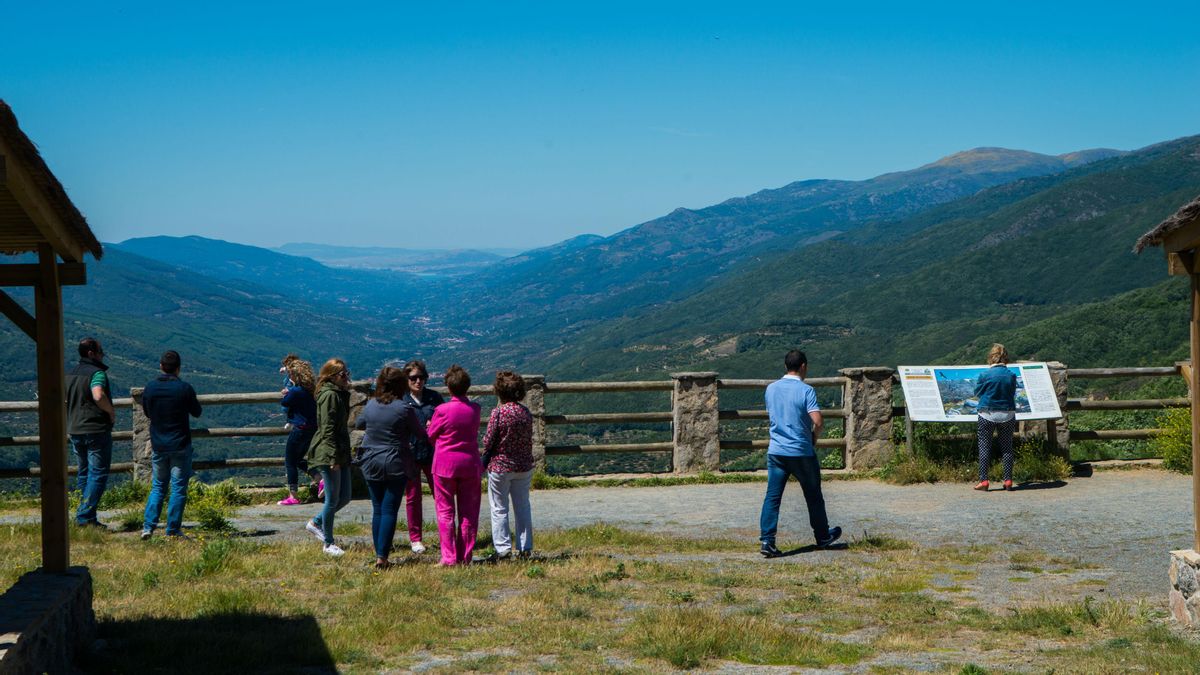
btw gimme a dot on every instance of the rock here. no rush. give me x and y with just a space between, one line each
1193 607
1186 581
1173 572
1179 608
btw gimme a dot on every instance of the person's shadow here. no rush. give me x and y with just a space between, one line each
839 546
1040 485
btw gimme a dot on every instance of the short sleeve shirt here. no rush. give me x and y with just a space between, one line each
99 379
789 402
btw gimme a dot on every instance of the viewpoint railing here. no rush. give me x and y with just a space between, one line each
866 412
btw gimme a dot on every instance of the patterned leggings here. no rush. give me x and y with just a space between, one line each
1004 441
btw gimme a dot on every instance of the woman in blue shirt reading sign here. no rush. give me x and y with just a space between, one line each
996 389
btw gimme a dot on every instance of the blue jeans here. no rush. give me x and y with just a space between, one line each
807 470
95 456
337 495
175 468
293 455
386 496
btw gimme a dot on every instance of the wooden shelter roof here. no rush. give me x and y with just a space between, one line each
1187 216
34 207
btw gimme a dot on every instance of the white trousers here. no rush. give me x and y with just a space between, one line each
502 486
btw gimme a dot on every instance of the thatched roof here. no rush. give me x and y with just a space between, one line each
1186 215
16 228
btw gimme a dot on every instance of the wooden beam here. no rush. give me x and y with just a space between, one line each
33 200
69 274
1195 395
52 413
1182 263
17 314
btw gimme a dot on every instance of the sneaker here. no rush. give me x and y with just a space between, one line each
178 536
321 489
333 550
417 547
1008 485
982 486
316 531
93 523
835 533
146 534
768 550
524 555
290 501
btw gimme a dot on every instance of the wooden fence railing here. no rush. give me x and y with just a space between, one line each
695 417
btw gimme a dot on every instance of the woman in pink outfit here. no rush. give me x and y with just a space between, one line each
454 432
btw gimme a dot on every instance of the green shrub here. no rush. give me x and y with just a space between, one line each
213 505
1174 445
124 494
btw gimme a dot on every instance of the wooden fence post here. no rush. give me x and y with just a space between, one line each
696 427
535 400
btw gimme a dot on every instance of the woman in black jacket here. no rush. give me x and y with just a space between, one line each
424 400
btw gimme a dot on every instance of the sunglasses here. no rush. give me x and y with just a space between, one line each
417 378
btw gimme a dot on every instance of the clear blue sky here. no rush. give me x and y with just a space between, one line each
514 125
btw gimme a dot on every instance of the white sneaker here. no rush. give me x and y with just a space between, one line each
333 550
146 534
417 547
316 531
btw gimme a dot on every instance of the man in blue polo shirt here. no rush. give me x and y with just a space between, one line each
796 424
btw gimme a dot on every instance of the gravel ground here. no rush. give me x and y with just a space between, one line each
1123 522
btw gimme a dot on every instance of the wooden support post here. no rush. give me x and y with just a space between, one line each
1195 395
52 412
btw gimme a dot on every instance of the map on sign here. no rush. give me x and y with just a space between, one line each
947 393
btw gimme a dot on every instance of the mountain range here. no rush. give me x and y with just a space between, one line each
916 266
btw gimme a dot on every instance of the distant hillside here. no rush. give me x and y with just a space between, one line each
431 262
542 298
230 333
917 288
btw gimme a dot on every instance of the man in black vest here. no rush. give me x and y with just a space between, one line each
90 417
168 401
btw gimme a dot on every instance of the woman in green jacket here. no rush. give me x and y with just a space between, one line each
329 452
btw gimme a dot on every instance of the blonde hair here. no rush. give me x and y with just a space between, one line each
998 354
332 368
301 372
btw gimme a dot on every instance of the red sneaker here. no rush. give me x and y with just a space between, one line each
1009 486
982 485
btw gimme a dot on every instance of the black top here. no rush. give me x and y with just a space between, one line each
430 399
385 447
168 401
83 415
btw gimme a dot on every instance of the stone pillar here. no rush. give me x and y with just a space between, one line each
1056 432
696 427
1184 573
535 400
141 439
867 400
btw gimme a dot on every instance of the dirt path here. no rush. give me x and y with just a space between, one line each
1123 522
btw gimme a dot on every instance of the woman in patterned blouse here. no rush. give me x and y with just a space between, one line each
508 460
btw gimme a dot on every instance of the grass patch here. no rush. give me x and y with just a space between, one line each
689 637
616 602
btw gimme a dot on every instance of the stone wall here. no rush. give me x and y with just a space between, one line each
1185 587
46 622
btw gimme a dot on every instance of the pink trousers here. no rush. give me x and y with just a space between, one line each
412 501
457 497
